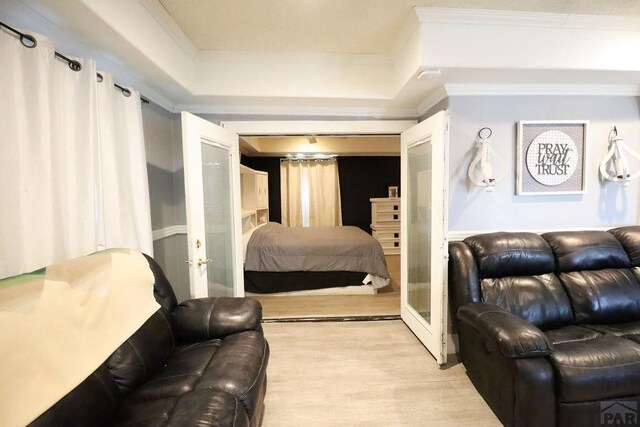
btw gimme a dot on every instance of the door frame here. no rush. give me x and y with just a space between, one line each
435 341
317 127
193 130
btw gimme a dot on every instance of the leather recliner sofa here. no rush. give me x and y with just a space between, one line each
202 362
549 325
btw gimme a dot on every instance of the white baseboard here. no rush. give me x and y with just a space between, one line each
172 230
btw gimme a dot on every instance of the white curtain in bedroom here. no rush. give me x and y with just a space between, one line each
291 199
310 192
60 149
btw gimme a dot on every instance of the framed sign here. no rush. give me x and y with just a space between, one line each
551 157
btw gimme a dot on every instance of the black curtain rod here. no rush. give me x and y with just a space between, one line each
30 42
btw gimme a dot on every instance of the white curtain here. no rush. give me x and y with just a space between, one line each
324 193
310 192
290 196
52 135
124 203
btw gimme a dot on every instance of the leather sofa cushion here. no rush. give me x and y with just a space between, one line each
603 296
629 237
511 254
146 351
92 403
587 250
605 367
206 408
569 334
235 365
540 300
239 367
617 329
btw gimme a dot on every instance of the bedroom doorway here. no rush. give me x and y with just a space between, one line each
363 162
423 217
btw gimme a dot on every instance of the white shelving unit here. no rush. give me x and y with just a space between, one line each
385 223
254 187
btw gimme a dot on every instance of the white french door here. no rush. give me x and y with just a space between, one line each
423 217
212 194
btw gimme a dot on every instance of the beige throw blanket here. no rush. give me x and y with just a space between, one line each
59 326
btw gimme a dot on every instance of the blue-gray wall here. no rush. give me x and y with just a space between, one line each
603 204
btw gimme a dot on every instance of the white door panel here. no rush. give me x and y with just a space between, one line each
212 193
424 179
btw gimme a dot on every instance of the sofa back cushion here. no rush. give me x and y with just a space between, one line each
517 273
511 254
539 299
595 271
629 238
143 353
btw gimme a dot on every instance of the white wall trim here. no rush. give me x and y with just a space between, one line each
172 230
319 127
527 19
432 100
541 89
457 236
292 110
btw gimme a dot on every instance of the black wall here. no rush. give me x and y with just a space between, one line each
361 178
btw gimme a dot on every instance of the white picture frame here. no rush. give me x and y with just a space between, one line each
531 181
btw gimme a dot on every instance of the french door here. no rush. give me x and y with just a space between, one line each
423 217
212 194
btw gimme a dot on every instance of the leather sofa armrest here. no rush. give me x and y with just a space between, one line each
514 337
205 318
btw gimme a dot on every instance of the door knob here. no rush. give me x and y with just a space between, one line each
202 262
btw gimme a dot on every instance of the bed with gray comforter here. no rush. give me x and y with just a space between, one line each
274 248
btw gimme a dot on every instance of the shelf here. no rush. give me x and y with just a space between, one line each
247 213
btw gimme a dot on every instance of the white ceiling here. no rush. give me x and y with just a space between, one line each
336 26
308 58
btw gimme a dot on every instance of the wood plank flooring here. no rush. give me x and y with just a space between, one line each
363 374
385 303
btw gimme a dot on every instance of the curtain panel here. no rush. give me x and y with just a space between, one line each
73 173
310 193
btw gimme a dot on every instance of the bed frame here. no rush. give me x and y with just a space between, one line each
260 282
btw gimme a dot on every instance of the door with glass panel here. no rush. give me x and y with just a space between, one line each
423 218
212 195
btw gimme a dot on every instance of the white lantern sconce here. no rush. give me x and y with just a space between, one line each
616 160
480 170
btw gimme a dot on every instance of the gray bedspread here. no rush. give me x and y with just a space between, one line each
274 247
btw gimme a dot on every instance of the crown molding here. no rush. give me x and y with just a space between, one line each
292 110
160 14
436 15
457 89
438 94
318 127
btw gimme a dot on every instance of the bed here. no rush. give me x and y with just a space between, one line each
283 259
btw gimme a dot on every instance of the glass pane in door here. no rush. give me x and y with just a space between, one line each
419 229
218 218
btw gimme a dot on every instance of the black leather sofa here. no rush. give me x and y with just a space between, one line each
549 326
202 362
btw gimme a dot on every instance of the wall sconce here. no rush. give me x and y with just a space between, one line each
480 170
616 160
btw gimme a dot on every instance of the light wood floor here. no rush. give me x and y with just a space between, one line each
363 374
385 303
